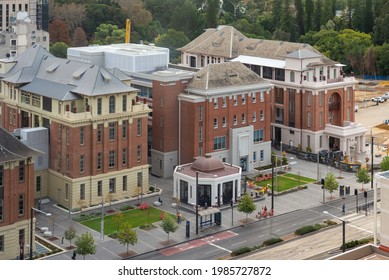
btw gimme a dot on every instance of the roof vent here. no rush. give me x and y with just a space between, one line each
78 74
52 67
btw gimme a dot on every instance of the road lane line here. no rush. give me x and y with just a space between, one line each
219 247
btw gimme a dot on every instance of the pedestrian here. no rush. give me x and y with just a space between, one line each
179 218
74 255
343 208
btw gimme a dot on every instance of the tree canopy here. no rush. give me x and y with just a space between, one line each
363 176
246 205
330 183
85 245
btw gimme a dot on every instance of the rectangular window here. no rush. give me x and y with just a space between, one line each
99 133
219 143
200 113
224 102
124 129
82 161
261 115
235 100
349 93
262 96
21 235
112 130
67 136
21 205
1 243
139 180
243 118
99 106
124 103
112 185
82 136
254 116
125 183
99 160
67 164
308 140
224 122
200 134
21 171
215 123
320 141
262 155
139 153
309 98
321 97
235 120
99 188
59 133
254 97
38 184
308 119
139 127
320 119
82 192
254 156
66 191
112 159
215 103
258 135
124 156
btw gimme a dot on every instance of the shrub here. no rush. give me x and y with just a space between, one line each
272 241
114 235
355 243
126 207
308 229
144 206
241 251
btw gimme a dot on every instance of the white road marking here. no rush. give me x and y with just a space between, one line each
219 247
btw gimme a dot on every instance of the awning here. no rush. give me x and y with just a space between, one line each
208 211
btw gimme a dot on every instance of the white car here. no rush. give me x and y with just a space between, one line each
378 99
385 96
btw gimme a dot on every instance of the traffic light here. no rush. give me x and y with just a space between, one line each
355 191
365 194
322 181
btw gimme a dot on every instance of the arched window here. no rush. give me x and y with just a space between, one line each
292 77
112 104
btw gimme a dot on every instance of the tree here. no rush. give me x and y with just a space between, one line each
79 38
382 54
172 39
246 205
85 245
309 10
118 219
59 32
385 163
59 49
169 225
186 18
107 34
70 234
212 13
300 16
109 198
330 183
127 235
73 14
363 176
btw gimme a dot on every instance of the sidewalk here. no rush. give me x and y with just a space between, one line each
110 249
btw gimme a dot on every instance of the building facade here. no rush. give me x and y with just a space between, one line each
16 194
312 103
224 112
97 129
37 9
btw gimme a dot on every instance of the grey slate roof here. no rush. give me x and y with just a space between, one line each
11 149
228 42
63 75
229 74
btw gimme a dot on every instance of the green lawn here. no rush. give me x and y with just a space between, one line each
134 217
287 181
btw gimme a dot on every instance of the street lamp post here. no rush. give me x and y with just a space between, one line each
32 226
344 228
102 219
318 168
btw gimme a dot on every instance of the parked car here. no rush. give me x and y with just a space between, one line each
378 99
385 96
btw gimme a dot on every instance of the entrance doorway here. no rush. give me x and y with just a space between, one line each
243 163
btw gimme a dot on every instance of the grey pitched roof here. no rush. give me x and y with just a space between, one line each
11 149
51 89
226 41
229 74
302 54
73 76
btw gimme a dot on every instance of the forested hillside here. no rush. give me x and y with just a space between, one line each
353 32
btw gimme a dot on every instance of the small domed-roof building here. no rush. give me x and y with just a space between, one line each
215 183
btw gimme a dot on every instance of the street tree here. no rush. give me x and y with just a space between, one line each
70 234
169 225
85 245
363 176
385 163
127 235
330 183
118 219
246 205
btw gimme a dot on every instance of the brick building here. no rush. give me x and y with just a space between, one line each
16 194
312 103
97 130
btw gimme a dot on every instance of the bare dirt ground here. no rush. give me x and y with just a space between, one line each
369 114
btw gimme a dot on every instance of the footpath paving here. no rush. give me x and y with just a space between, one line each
111 249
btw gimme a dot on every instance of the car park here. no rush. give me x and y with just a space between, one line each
378 99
